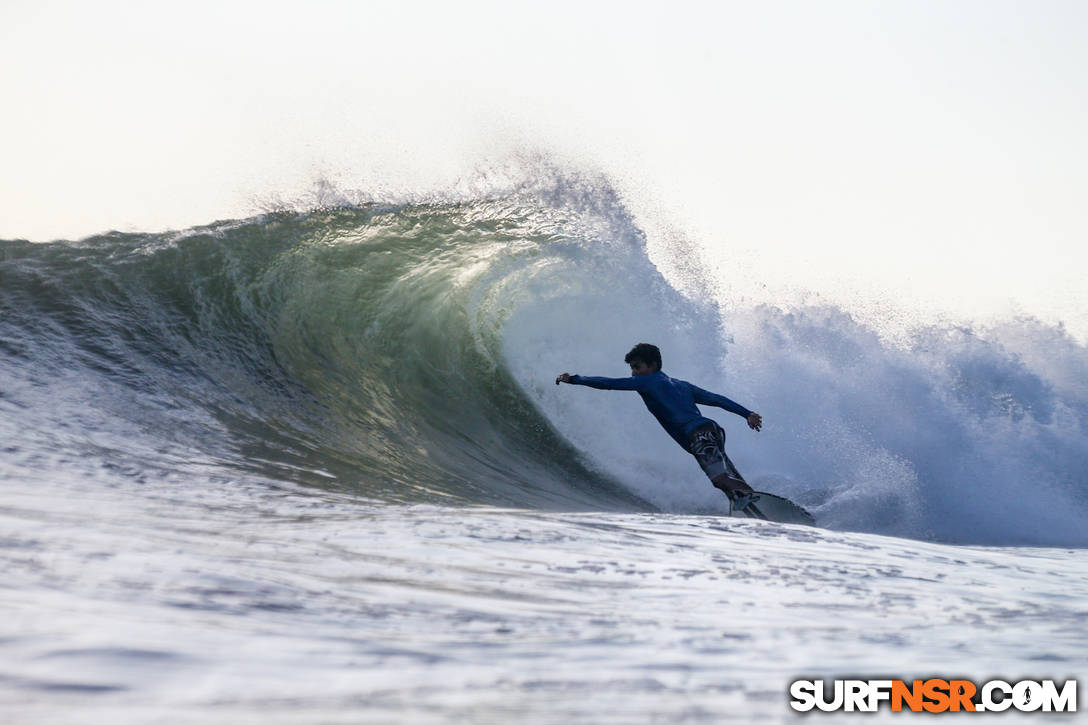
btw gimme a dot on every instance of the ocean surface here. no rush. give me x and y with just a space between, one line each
311 466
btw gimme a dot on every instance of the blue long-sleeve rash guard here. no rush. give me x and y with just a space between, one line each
671 401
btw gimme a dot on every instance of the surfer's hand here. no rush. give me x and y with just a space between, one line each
755 421
563 378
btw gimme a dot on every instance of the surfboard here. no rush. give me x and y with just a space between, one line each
770 507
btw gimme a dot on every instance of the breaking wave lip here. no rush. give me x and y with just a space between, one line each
405 352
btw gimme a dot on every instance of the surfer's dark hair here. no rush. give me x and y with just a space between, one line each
644 352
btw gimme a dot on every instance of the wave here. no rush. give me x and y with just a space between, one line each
406 352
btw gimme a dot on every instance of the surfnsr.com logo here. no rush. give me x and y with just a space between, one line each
934 695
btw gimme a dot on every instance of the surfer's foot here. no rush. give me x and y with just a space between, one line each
742 499
730 486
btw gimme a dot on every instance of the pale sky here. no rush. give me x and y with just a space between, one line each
930 155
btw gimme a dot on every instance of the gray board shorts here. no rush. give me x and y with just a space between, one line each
708 447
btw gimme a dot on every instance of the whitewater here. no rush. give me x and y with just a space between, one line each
311 466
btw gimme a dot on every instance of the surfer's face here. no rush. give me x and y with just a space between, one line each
640 368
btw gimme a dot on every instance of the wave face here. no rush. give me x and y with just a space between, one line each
406 353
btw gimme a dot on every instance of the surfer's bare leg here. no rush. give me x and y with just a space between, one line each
708 447
730 485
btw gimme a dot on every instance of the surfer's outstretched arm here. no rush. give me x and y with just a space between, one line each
631 383
705 397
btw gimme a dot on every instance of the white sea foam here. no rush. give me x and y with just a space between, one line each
246 603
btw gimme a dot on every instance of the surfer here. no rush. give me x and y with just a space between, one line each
672 402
